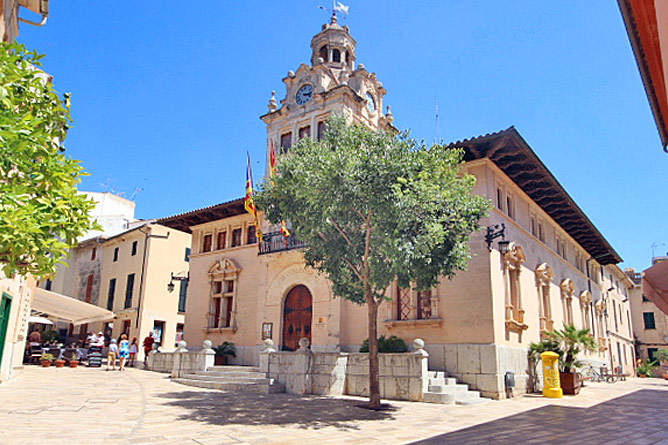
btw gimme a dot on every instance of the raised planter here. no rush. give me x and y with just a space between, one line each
220 360
570 383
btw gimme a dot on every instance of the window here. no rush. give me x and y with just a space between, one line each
222 313
323 53
499 199
187 255
236 237
115 254
567 288
648 318
321 130
89 288
561 246
48 283
512 267
286 142
251 238
129 285
644 298
305 132
336 55
206 243
183 292
223 303
126 327
221 241
533 225
93 254
541 232
403 303
110 294
510 210
424 304
134 248
614 312
651 352
544 275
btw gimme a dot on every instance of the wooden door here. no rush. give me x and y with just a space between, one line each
297 315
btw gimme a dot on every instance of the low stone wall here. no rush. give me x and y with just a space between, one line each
402 376
182 361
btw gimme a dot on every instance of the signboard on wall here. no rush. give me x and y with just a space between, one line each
267 330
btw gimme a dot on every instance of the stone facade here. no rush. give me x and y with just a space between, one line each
477 325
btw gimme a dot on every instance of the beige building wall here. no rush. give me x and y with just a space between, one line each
648 338
160 251
19 291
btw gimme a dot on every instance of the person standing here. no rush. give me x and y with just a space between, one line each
133 352
111 355
124 351
35 337
148 346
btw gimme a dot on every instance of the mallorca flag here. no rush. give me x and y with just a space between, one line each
249 204
272 173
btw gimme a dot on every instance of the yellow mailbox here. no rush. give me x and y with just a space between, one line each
551 384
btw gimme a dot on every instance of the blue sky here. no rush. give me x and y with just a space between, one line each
167 95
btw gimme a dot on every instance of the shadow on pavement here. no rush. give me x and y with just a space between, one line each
220 408
637 418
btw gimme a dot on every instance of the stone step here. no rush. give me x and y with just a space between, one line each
233 368
232 374
435 374
233 387
459 387
444 399
474 401
225 379
443 381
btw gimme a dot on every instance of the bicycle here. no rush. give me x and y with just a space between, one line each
590 373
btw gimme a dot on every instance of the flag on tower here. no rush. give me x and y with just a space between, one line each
340 7
249 203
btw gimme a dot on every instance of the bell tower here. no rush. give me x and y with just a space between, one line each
332 83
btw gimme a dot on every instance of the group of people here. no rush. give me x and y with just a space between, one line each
125 351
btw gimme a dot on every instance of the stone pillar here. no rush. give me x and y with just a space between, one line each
303 367
268 349
178 359
209 355
418 349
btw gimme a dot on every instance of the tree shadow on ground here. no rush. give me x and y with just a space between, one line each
639 417
315 412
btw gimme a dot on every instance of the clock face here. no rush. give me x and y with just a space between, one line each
304 94
370 103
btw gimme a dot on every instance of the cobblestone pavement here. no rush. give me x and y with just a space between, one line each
91 406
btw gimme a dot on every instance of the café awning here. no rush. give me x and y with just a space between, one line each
655 285
39 320
67 308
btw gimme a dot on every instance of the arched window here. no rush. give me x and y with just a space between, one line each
336 55
323 53
512 262
349 61
223 275
544 277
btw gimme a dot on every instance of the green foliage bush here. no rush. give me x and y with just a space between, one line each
392 344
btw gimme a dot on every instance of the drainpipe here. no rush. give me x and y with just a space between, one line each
147 235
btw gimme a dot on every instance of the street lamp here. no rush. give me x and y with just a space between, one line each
494 232
178 277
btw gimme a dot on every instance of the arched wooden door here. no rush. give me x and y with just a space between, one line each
297 315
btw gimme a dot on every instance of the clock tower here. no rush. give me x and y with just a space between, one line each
330 84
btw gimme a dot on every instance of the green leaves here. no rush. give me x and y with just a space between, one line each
374 207
41 213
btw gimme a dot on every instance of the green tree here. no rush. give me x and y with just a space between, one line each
41 214
374 207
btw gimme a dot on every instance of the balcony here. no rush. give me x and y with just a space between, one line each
273 242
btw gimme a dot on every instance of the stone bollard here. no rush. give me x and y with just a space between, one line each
182 346
422 369
303 367
264 354
209 355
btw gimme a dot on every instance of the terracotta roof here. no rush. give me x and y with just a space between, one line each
183 221
511 153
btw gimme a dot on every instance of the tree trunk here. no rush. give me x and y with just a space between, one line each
374 371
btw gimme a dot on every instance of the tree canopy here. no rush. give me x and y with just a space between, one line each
374 207
41 213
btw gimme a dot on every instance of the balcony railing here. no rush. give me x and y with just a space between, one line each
275 242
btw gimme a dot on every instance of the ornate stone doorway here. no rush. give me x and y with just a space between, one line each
297 315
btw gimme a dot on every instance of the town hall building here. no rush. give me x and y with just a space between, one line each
538 263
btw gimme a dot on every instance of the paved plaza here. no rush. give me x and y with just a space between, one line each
91 406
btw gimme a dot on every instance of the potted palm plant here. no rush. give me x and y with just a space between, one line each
645 369
74 360
662 357
572 341
224 350
535 350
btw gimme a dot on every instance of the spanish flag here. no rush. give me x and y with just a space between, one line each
249 204
272 173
